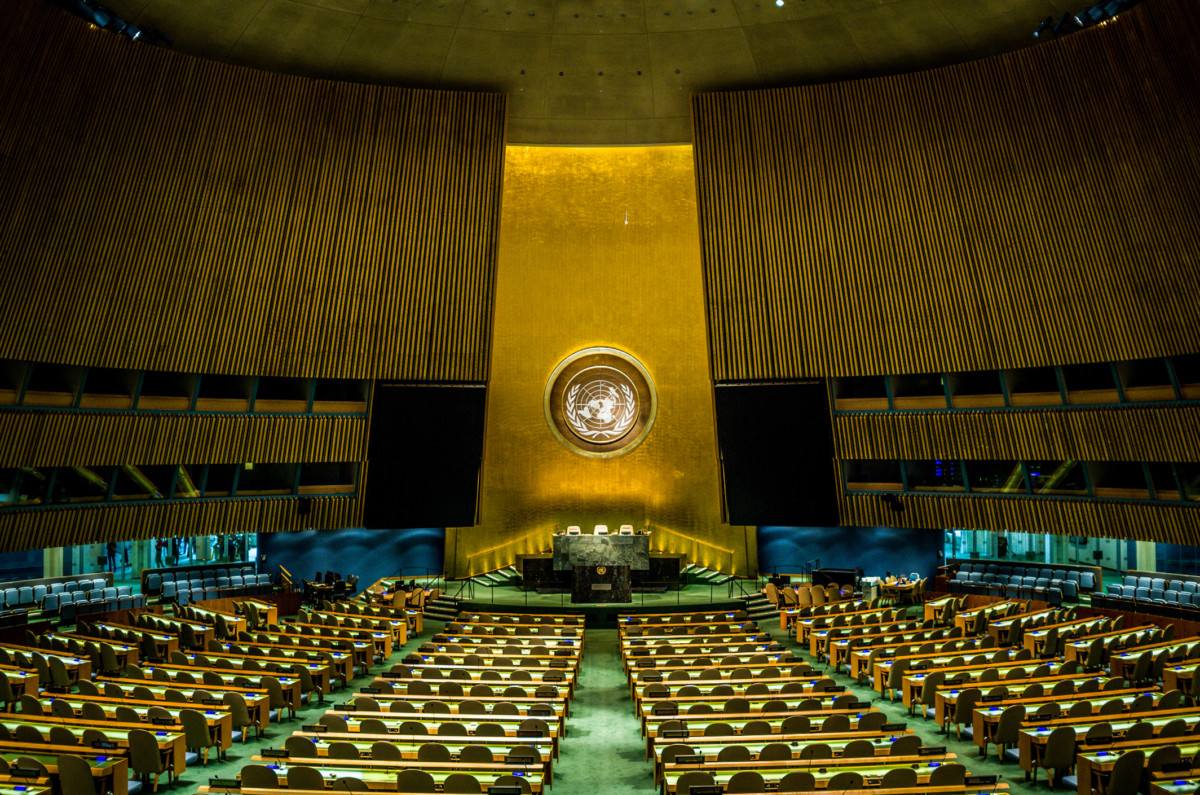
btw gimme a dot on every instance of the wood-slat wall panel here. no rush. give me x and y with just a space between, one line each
1140 522
164 212
48 439
99 524
1156 433
1035 208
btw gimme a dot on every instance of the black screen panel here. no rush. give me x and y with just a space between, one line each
425 452
777 454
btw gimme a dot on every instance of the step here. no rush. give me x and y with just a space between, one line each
720 579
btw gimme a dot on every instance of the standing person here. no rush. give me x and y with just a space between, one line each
159 545
112 555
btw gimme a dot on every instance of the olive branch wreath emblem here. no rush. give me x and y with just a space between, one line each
620 424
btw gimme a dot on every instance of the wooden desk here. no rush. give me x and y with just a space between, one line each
1077 648
886 655
695 725
837 649
1034 639
914 681
550 661
410 747
165 641
110 771
986 716
1091 763
998 629
357 652
288 681
491 641
642 677
380 774
268 612
963 618
934 607
1033 735
126 654
171 744
521 618
233 623
21 681
554 712
398 627
323 673
381 639
489 675
432 722
258 701
508 630
772 772
775 687
203 632
78 667
219 720
793 703
1122 663
710 747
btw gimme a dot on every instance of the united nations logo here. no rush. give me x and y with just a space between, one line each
600 402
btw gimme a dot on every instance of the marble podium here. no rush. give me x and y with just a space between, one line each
601 584
601 565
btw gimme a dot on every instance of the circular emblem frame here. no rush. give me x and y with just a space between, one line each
600 402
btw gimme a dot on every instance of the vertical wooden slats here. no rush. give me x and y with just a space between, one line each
52 438
1093 518
68 526
1030 209
1094 434
164 212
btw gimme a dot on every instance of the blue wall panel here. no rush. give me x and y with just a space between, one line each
370 554
1176 558
876 550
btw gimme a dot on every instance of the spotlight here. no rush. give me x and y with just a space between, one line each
1064 25
1045 30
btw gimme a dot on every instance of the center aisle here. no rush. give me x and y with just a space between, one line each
603 749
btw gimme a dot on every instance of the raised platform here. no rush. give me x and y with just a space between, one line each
509 599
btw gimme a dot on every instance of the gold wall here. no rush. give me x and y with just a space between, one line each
599 247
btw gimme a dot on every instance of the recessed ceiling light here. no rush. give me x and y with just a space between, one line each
779 3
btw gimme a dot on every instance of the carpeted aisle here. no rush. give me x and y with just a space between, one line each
603 750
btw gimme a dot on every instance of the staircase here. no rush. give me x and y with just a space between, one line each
444 608
490 579
694 574
759 607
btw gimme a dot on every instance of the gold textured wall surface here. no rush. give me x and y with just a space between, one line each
103 523
599 247
1147 433
1029 209
58 438
1132 520
164 212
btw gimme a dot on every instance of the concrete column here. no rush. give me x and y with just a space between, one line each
52 562
1146 556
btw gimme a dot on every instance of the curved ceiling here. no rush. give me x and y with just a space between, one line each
594 71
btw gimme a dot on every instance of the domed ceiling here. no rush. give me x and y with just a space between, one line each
598 72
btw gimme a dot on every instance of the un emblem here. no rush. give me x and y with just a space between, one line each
600 402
